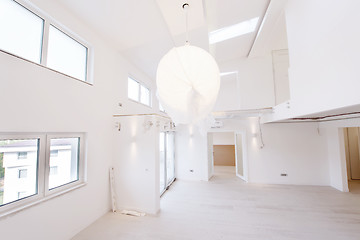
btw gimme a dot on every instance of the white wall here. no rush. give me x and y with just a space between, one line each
191 154
295 149
228 98
35 99
223 138
337 158
136 162
255 81
323 39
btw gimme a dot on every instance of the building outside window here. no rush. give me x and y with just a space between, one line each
22 155
26 171
22 173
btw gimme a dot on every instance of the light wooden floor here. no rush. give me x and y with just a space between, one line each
226 208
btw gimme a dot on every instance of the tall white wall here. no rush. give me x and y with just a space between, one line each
295 149
228 98
35 99
191 154
255 82
323 39
337 158
136 163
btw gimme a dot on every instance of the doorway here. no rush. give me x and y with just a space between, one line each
352 150
226 154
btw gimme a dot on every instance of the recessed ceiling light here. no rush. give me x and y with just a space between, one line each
232 31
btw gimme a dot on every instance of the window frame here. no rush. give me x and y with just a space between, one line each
43 170
48 20
19 203
81 163
140 85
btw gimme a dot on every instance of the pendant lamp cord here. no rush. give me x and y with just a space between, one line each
186 8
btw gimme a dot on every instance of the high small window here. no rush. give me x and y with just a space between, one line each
21 31
138 92
133 89
66 55
28 34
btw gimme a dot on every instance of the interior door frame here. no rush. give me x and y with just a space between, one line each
210 153
244 148
245 176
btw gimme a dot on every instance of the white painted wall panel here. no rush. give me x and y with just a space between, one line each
324 51
223 138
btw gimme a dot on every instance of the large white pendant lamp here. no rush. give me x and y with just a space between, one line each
188 82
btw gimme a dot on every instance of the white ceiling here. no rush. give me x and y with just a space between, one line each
144 30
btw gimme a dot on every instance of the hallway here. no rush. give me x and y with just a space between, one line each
227 208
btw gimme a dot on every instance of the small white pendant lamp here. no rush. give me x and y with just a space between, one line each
188 82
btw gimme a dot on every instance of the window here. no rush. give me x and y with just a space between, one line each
22 173
167 160
21 31
53 170
22 155
66 55
138 92
144 95
232 31
54 153
21 195
35 38
133 89
66 162
54 164
14 178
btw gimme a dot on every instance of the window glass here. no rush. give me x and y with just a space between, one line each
145 95
66 55
21 31
133 89
22 173
170 157
64 165
18 177
22 155
162 162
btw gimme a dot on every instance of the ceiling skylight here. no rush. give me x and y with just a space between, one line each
222 74
232 31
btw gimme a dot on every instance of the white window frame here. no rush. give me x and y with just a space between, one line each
43 170
20 203
139 99
45 41
81 164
